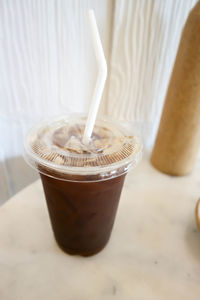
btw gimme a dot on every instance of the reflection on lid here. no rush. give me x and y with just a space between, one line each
62 144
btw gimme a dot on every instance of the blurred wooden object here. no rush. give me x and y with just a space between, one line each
178 138
197 214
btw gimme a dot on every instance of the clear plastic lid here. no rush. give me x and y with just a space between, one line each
55 148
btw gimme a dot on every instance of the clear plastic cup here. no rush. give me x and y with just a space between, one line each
82 183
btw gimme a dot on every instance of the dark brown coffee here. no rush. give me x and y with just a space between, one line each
82 181
82 213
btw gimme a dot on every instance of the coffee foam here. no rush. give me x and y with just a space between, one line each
69 138
62 144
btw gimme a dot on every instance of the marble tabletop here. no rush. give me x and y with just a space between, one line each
154 251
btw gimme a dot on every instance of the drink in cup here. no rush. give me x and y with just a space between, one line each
82 182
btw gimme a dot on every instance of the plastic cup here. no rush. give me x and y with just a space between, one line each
82 183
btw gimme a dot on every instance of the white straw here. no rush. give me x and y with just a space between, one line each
101 78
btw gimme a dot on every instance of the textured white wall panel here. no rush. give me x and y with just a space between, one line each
146 34
47 67
47 61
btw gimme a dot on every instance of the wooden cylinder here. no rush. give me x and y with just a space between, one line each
178 137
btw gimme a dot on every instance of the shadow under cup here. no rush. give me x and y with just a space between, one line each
82 182
82 213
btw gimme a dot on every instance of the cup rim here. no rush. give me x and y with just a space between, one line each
52 169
